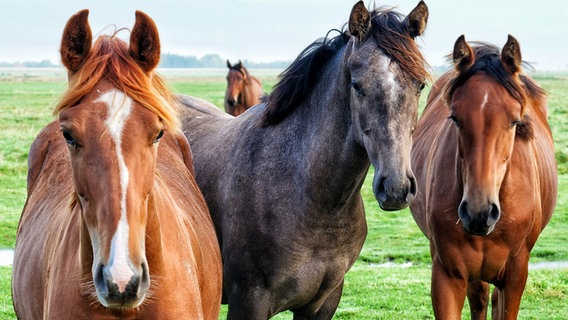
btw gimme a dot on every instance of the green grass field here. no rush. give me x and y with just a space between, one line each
390 280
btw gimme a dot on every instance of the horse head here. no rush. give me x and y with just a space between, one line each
236 80
486 103
112 118
387 73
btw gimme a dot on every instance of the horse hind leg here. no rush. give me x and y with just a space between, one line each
478 297
495 306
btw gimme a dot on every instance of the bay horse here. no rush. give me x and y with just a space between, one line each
243 90
283 179
114 225
484 161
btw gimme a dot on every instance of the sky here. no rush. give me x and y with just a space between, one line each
270 30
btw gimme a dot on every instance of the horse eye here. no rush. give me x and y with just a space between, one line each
455 121
159 136
69 139
357 89
421 87
516 123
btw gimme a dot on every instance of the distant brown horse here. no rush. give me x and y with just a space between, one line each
114 226
484 161
243 90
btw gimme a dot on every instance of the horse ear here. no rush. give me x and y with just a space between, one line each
416 20
145 42
228 64
511 55
359 21
76 41
463 54
240 64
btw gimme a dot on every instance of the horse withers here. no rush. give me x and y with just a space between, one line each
114 225
283 179
484 161
243 90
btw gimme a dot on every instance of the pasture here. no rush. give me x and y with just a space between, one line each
391 278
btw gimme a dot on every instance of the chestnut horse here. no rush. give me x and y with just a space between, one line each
243 90
114 226
484 161
283 180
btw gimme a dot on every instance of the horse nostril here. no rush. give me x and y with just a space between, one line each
381 190
462 213
231 102
494 215
413 188
393 193
99 280
125 293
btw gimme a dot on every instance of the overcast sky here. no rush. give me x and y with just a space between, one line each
267 30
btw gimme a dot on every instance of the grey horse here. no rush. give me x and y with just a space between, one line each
283 179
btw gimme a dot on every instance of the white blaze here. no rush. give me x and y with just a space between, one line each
119 108
485 98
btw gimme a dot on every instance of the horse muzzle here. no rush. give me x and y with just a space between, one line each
116 293
479 222
394 194
231 102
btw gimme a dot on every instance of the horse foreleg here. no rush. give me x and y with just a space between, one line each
448 293
328 308
248 305
478 297
507 295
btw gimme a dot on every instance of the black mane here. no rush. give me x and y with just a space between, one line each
488 61
240 68
520 87
298 80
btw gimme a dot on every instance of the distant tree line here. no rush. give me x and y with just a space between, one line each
168 60
29 64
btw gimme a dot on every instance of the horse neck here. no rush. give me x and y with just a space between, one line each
325 123
252 90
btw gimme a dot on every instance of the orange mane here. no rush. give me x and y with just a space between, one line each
110 60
